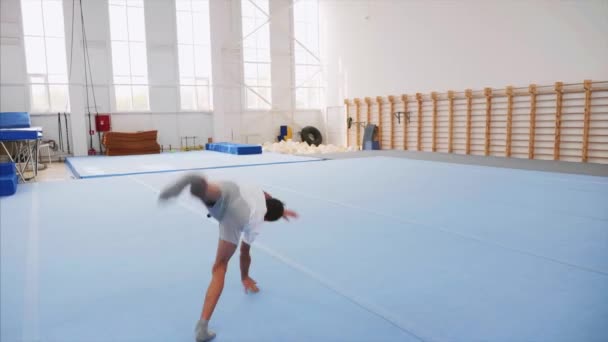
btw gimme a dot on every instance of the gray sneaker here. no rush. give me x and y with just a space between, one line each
202 332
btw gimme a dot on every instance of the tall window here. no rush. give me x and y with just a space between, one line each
129 59
306 50
256 53
45 54
194 51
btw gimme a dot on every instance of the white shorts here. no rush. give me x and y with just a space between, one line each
233 213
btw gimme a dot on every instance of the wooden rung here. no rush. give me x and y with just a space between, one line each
586 120
434 98
451 121
405 120
379 101
558 118
469 95
509 120
368 102
347 103
532 91
358 109
488 94
419 99
391 99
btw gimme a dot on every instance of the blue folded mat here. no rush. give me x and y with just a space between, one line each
14 120
232 148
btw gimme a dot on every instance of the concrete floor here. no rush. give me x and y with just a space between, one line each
510 163
56 171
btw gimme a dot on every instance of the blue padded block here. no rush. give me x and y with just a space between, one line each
8 185
14 134
283 130
234 148
14 120
7 169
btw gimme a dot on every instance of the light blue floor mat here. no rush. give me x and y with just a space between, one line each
385 250
107 166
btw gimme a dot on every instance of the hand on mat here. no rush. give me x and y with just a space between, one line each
289 213
250 285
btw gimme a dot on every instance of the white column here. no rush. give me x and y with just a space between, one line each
226 67
281 56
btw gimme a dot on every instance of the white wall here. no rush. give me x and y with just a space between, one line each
388 47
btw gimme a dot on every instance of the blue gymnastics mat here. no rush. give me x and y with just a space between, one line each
385 250
107 166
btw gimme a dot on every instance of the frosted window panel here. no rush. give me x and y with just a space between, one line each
120 58
123 97
300 32
300 75
34 55
265 92
55 54
308 98
40 99
249 54
139 80
59 97
201 27
118 2
251 99
248 26
263 36
202 82
202 62
200 5
118 23
261 4
38 79
58 79
122 80
187 97
182 5
247 9
300 54
263 55
31 11
202 97
140 98
187 81
139 63
186 61
137 26
184 28
135 3
264 74
250 70
53 18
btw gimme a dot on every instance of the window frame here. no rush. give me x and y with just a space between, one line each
246 88
112 83
196 79
29 84
319 73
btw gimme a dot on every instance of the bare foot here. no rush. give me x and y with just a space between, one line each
250 285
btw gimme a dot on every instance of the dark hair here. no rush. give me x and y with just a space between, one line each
274 209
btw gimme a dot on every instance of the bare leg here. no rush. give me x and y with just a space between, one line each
225 250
